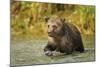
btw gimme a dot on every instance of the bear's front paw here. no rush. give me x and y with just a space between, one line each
48 53
56 53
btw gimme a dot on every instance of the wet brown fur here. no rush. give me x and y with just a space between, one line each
67 40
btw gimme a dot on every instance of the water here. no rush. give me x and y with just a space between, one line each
30 52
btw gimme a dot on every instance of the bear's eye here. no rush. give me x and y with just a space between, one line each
48 25
54 26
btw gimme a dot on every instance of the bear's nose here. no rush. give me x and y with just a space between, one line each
50 31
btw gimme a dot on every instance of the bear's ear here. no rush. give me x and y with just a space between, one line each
63 19
46 19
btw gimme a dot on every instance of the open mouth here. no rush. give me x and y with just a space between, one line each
50 35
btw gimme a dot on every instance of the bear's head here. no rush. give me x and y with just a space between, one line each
55 26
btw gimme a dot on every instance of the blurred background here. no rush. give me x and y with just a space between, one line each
27 18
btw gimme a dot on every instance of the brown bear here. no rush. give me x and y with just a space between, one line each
62 37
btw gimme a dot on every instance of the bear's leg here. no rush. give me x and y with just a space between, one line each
79 44
48 49
80 47
66 49
69 50
57 52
